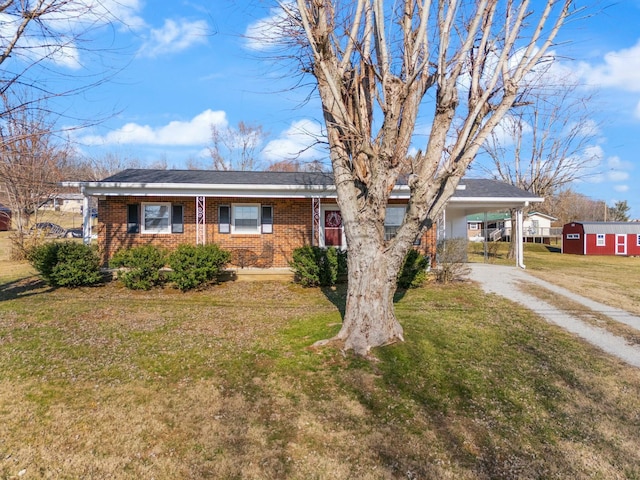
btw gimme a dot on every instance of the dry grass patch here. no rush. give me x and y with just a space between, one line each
107 383
600 320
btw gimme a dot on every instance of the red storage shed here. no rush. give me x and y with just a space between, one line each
601 238
5 218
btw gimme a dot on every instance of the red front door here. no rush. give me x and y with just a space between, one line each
332 228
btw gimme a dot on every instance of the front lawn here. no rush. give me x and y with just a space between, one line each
108 383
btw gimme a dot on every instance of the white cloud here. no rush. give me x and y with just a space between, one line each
196 131
174 36
299 141
619 69
621 188
269 31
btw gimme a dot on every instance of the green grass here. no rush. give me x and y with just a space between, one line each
107 383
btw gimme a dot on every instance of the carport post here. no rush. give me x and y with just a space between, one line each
86 218
519 240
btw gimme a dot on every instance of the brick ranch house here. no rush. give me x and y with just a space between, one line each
261 217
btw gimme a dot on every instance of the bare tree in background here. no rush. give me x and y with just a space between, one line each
42 42
378 67
237 148
568 205
32 159
547 142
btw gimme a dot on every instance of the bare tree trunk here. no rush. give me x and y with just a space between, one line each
369 319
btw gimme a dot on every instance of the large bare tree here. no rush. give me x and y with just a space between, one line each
45 46
32 160
382 66
547 142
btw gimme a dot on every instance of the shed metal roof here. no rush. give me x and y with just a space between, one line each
611 227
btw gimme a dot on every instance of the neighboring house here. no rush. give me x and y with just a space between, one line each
495 222
65 202
5 218
260 216
536 227
601 238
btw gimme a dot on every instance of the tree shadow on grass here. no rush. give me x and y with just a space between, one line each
337 295
24 287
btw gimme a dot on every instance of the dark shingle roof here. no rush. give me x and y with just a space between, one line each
218 177
473 187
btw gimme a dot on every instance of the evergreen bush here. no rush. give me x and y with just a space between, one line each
317 266
66 264
140 266
413 273
194 266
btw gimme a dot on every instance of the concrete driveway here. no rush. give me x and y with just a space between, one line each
503 280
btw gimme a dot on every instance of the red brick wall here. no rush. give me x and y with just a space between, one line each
292 223
292 228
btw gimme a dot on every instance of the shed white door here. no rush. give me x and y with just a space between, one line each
621 244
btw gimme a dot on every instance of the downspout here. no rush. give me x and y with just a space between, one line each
86 217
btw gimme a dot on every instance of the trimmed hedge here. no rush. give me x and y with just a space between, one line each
66 264
317 266
413 273
141 266
323 267
194 266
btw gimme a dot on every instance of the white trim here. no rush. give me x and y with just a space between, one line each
331 207
258 229
272 191
154 231
623 244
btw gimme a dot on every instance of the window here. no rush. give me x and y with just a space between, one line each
474 226
245 218
392 221
156 218
573 236
600 240
638 240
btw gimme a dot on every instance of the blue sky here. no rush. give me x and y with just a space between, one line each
184 65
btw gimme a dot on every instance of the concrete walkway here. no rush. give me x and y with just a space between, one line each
503 281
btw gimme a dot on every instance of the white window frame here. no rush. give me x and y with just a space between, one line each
388 223
258 228
638 240
601 240
143 221
474 226
573 236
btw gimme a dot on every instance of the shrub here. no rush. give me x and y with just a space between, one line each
141 266
451 255
317 266
413 273
66 264
194 266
